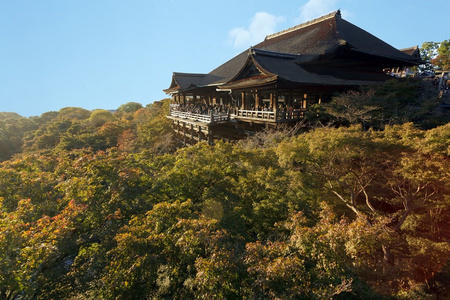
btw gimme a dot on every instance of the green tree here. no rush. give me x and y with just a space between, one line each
354 107
428 51
13 129
437 54
159 250
73 113
442 60
397 101
35 251
129 107
100 116
153 130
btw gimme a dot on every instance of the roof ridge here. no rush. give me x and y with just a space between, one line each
334 14
190 74
409 48
273 53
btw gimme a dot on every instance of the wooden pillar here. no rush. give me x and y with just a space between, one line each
243 100
275 95
184 134
192 134
441 81
211 116
210 137
272 106
257 100
199 134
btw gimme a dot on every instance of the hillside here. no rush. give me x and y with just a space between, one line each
95 205
131 128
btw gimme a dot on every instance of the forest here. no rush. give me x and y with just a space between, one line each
354 203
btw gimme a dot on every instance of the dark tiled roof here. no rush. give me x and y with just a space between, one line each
324 38
226 71
286 68
185 81
325 35
254 82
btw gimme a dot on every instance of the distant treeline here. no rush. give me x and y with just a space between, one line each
132 126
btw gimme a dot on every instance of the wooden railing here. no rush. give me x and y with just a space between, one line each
269 116
210 118
274 116
295 114
255 114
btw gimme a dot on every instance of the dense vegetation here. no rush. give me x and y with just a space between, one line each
95 205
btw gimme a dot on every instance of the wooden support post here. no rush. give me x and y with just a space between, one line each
272 106
184 134
289 99
211 116
441 81
210 137
257 100
275 95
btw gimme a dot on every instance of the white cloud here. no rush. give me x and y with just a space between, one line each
316 8
261 25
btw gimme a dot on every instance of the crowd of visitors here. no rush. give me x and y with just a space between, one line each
205 109
200 108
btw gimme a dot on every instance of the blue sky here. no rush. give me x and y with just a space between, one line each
104 53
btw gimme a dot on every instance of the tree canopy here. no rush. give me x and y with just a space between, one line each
104 206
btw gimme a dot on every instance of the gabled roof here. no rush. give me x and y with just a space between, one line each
325 41
325 35
412 51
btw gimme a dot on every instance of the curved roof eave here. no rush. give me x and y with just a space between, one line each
406 60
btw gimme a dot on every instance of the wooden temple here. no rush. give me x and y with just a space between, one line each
275 81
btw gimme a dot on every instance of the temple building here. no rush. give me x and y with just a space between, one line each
276 80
